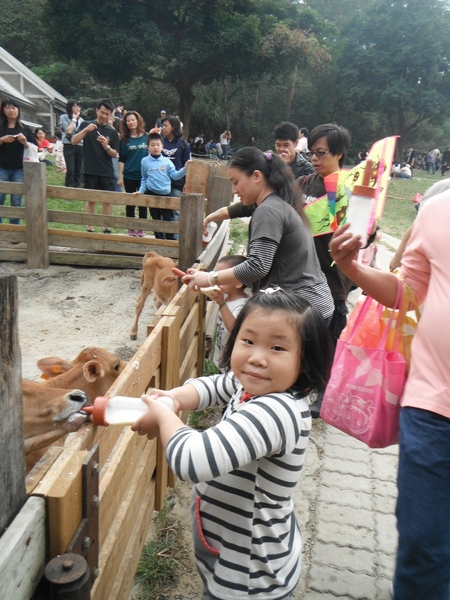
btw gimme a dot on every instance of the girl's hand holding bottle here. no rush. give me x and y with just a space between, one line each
149 423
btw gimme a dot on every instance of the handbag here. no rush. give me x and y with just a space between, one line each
363 394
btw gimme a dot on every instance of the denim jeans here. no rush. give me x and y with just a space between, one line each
423 507
15 176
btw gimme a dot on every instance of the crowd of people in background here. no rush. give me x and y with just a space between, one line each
289 270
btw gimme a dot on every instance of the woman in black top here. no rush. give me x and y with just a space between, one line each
14 137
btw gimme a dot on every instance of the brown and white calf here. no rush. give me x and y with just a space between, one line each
156 277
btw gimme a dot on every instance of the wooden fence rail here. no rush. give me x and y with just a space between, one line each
109 524
44 239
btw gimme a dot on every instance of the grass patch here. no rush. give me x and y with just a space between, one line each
162 558
399 211
238 235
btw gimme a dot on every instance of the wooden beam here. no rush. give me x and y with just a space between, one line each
191 226
22 552
36 215
64 505
12 472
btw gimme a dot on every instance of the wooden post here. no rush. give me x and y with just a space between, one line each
34 178
170 378
12 464
191 229
221 194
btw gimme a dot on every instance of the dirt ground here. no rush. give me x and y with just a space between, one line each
64 309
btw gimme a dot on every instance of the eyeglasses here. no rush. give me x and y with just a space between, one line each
319 153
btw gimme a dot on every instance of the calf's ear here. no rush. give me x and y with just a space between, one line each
51 366
92 371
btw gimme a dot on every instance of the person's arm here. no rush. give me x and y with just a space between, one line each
397 258
381 285
227 316
159 421
257 265
80 135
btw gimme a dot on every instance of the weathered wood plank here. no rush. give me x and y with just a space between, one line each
12 464
64 505
221 194
191 220
8 187
113 221
197 177
124 526
189 329
22 552
125 575
7 255
115 198
116 475
77 259
41 467
36 215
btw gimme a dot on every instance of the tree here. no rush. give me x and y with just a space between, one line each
178 42
396 62
21 32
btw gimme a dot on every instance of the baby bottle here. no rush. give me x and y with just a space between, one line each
360 206
121 410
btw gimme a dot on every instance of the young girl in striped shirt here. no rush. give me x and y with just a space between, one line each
246 538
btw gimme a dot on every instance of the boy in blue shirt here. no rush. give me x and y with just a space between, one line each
157 172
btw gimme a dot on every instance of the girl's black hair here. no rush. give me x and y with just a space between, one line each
176 124
277 173
69 107
338 139
3 120
316 353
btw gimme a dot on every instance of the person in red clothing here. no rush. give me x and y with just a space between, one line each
43 145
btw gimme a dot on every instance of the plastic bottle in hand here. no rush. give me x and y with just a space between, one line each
121 410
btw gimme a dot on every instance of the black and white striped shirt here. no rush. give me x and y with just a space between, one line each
245 469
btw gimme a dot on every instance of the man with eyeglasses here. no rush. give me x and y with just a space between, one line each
328 146
100 144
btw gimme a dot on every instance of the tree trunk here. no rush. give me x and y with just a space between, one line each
187 99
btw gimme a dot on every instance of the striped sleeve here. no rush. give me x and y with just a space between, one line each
259 261
265 426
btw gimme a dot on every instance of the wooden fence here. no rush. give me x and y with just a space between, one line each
42 239
96 495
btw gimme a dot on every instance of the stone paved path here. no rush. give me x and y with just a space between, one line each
346 508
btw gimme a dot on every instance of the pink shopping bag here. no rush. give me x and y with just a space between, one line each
363 395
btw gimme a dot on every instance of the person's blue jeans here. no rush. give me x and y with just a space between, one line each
430 166
16 176
423 507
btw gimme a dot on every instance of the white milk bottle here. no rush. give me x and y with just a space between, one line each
121 410
361 206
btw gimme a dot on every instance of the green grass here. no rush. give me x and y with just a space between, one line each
399 211
238 235
162 557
